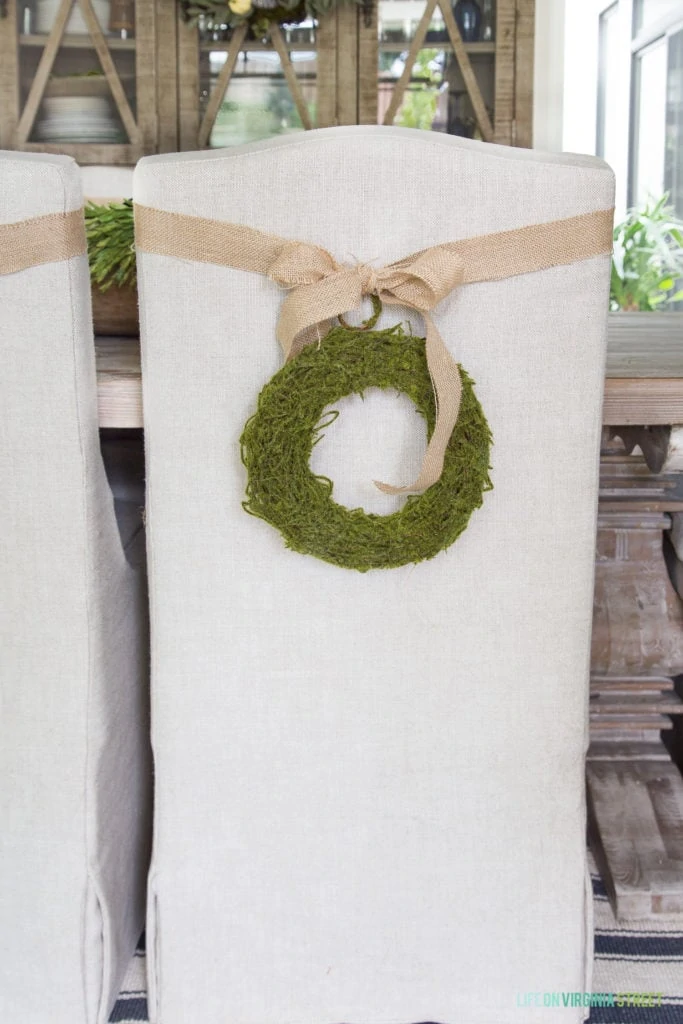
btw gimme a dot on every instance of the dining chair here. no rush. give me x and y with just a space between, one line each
75 760
369 801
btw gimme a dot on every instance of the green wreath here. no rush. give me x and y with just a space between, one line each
278 440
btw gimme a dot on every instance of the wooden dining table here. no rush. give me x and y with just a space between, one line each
643 379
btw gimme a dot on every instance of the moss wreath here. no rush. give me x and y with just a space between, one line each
278 440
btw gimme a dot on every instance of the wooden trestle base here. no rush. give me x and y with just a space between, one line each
635 791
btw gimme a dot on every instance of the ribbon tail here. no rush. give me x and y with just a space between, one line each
447 385
309 308
311 335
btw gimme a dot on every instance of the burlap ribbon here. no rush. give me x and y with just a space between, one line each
48 239
320 288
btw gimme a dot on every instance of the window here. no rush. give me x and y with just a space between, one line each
657 94
648 12
673 158
649 124
608 86
640 53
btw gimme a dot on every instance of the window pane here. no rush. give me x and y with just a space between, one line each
425 103
648 12
608 87
258 102
398 20
650 122
78 105
436 96
673 165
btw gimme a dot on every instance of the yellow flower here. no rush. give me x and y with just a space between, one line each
240 6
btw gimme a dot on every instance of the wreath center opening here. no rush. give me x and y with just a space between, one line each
379 435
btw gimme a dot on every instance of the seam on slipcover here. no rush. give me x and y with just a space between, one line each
89 566
95 1005
421 141
104 1002
88 624
79 426
588 885
588 935
152 902
153 941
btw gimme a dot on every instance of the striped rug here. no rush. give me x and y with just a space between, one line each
629 958
636 956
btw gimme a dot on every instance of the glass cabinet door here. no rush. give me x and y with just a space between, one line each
437 65
83 78
250 88
108 81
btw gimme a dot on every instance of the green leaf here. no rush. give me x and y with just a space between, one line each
111 237
648 256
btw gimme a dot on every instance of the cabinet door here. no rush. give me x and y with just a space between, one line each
78 77
233 88
464 68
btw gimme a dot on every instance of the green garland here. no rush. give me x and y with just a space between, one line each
258 14
110 234
278 440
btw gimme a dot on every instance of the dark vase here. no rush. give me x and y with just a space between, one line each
467 14
458 124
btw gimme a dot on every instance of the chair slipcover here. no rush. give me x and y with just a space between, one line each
75 777
370 787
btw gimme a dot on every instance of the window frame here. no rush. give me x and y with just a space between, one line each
607 13
657 32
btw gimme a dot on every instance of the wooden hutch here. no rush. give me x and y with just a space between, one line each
152 83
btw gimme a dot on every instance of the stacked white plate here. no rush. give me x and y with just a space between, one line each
46 12
77 119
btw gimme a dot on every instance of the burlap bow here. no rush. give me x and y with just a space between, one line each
320 288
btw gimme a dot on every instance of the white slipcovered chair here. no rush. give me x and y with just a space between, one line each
75 763
370 786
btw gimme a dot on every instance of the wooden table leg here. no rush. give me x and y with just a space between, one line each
635 792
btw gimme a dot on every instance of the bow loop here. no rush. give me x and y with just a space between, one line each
300 263
321 289
424 280
369 279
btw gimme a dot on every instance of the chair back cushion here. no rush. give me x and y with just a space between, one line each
74 750
370 786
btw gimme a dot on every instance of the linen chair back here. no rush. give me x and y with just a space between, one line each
74 747
370 786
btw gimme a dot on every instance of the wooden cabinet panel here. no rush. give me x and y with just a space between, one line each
167 86
71 84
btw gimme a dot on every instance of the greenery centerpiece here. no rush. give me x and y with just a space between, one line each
110 234
259 15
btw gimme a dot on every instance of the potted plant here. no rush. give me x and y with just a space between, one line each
647 264
111 254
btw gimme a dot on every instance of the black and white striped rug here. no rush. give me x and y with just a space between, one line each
636 957
633 958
